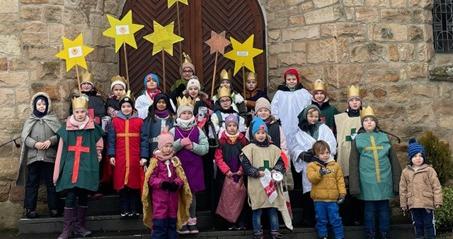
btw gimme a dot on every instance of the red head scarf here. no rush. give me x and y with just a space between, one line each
292 71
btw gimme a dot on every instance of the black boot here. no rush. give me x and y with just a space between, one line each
79 225
67 223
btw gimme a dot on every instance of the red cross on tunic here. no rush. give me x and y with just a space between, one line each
127 137
78 149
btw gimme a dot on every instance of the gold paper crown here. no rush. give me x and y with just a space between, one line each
80 102
118 78
367 111
251 76
185 101
353 91
319 85
224 92
86 78
225 75
187 58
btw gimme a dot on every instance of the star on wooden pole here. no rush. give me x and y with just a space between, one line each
74 53
122 30
242 55
217 44
163 38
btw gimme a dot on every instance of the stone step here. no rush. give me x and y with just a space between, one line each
402 231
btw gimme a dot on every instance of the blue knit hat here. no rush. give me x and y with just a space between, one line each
257 124
414 148
154 77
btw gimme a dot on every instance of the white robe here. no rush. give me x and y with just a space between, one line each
302 142
286 106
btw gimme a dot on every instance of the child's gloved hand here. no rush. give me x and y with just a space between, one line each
143 162
185 142
341 200
438 206
112 161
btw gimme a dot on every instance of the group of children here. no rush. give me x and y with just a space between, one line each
162 148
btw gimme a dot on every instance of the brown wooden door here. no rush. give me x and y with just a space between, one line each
239 18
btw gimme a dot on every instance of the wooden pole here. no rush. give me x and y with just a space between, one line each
243 81
127 67
214 73
163 72
179 32
78 79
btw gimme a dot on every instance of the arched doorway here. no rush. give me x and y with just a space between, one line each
239 18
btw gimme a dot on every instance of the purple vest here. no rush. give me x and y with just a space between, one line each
191 162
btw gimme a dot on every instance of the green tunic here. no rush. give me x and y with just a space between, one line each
374 167
79 145
327 116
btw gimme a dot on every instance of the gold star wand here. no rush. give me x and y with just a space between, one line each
243 54
163 40
74 53
123 31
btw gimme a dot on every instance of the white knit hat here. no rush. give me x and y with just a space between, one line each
193 82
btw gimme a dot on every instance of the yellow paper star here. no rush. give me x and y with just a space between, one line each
163 38
74 52
243 54
122 30
172 2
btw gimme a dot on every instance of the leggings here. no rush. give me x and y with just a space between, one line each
76 193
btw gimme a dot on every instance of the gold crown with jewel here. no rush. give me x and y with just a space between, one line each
353 91
118 78
366 112
185 101
86 78
319 85
225 75
80 102
224 92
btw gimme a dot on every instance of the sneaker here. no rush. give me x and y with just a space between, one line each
133 214
31 214
184 230
231 228
124 215
258 235
193 229
276 235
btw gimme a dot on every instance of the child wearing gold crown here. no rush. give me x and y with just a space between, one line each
190 145
320 98
347 125
253 93
374 173
96 105
310 130
166 194
237 101
124 153
151 82
224 108
76 171
187 71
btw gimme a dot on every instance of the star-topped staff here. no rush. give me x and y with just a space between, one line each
170 3
74 53
123 32
217 44
163 40
243 54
